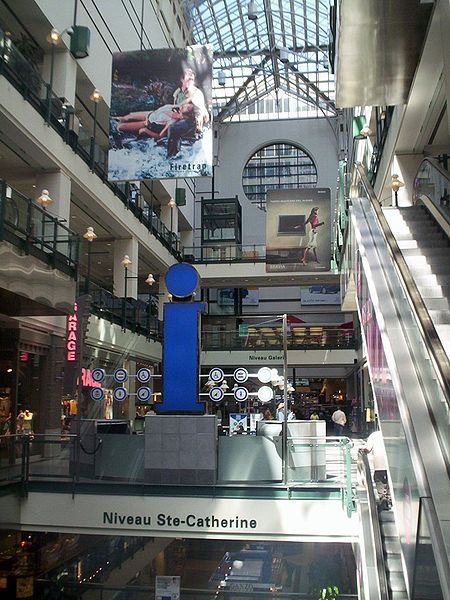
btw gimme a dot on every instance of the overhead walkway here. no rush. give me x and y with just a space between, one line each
409 372
244 271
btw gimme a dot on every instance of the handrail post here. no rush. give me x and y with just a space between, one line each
347 496
2 207
285 400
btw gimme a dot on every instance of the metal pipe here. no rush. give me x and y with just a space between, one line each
50 85
285 400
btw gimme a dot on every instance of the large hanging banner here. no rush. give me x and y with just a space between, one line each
161 111
298 230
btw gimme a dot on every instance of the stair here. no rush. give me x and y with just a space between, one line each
392 556
426 251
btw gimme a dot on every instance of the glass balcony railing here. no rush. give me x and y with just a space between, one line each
55 111
34 230
324 462
225 253
269 338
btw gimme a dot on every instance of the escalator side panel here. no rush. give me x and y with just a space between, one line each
404 419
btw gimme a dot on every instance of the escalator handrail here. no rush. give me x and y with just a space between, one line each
420 195
436 166
424 321
363 465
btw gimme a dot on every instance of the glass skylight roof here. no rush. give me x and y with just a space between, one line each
282 54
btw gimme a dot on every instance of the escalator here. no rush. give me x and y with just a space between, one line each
402 300
380 562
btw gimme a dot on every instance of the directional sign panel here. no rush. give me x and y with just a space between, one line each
216 375
264 374
144 394
265 393
120 394
143 375
216 394
98 375
240 375
120 375
97 393
240 394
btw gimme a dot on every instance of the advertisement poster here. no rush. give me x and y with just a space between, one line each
161 114
298 230
238 423
324 293
167 588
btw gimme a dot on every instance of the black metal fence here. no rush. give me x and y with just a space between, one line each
34 230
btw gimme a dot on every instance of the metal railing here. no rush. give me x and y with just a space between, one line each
433 182
35 231
101 591
130 313
225 253
379 578
53 109
300 338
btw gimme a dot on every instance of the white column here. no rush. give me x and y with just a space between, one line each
169 216
131 249
163 297
64 74
444 16
59 187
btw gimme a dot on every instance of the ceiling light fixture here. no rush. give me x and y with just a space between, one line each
251 11
284 55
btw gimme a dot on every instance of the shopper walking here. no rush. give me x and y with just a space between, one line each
375 446
339 419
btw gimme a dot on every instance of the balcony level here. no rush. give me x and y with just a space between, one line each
308 345
240 265
39 258
53 141
120 484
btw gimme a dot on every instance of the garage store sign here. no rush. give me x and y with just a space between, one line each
72 335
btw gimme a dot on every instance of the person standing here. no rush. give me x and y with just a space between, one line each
187 93
19 422
339 419
280 413
375 446
27 427
314 223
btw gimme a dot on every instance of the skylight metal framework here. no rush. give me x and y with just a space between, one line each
247 53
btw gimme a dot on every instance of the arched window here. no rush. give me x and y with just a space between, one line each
274 167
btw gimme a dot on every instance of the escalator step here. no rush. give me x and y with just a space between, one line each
396 583
389 530
399 595
394 564
386 516
391 548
